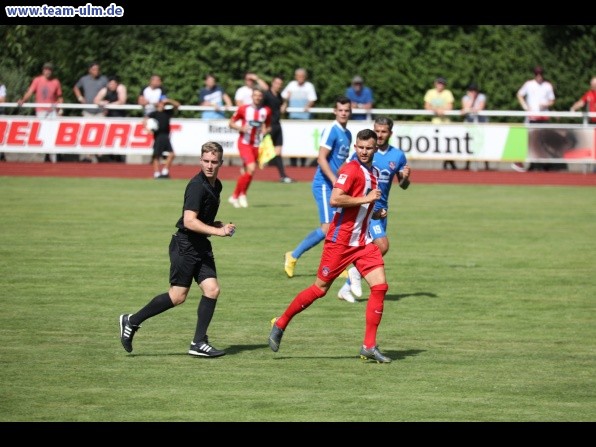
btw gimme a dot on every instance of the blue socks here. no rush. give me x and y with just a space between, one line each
308 242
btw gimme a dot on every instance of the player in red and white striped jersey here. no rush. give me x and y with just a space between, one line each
347 242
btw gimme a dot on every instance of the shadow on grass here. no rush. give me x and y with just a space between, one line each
393 355
402 296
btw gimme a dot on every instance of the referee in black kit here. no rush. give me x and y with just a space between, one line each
191 256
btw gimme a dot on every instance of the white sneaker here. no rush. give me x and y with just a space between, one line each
242 201
345 294
235 202
355 281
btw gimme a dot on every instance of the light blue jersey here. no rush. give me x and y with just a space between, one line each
389 163
338 140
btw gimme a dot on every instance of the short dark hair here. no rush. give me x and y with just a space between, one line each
366 134
342 99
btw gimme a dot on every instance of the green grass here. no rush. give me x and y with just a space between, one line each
490 314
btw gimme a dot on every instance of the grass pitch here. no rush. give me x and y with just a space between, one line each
490 314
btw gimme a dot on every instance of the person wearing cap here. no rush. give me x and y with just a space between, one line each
474 101
47 89
361 97
440 100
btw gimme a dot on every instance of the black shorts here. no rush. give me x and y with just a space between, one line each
161 144
190 258
277 135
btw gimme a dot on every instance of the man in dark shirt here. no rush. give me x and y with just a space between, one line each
191 256
275 102
162 146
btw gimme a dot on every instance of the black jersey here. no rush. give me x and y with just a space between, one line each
203 198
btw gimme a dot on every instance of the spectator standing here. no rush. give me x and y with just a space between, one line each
334 149
2 99
114 93
275 102
151 94
536 95
391 163
2 96
588 100
243 94
191 256
213 95
299 93
474 101
87 88
361 97
162 145
440 100
253 122
47 89
348 242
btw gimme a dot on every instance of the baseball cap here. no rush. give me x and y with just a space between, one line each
48 65
357 80
538 70
441 80
472 86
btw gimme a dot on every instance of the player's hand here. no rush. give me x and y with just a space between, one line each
379 214
229 229
374 194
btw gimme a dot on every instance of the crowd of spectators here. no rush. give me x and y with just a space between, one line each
102 92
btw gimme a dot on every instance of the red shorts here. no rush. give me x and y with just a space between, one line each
248 153
336 257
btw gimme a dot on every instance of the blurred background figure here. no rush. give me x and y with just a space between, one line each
536 95
588 100
47 89
243 94
474 101
275 102
361 97
440 100
213 95
299 93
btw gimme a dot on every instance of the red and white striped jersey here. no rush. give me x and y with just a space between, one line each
256 118
350 225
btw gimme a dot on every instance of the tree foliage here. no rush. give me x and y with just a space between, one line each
398 62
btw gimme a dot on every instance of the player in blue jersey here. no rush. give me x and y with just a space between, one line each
391 162
334 150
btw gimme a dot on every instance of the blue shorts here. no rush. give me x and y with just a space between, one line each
378 228
322 194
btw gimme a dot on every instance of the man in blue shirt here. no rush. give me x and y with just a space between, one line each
391 162
334 149
361 97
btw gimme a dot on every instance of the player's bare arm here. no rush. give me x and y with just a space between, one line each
193 223
403 177
324 164
339 198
